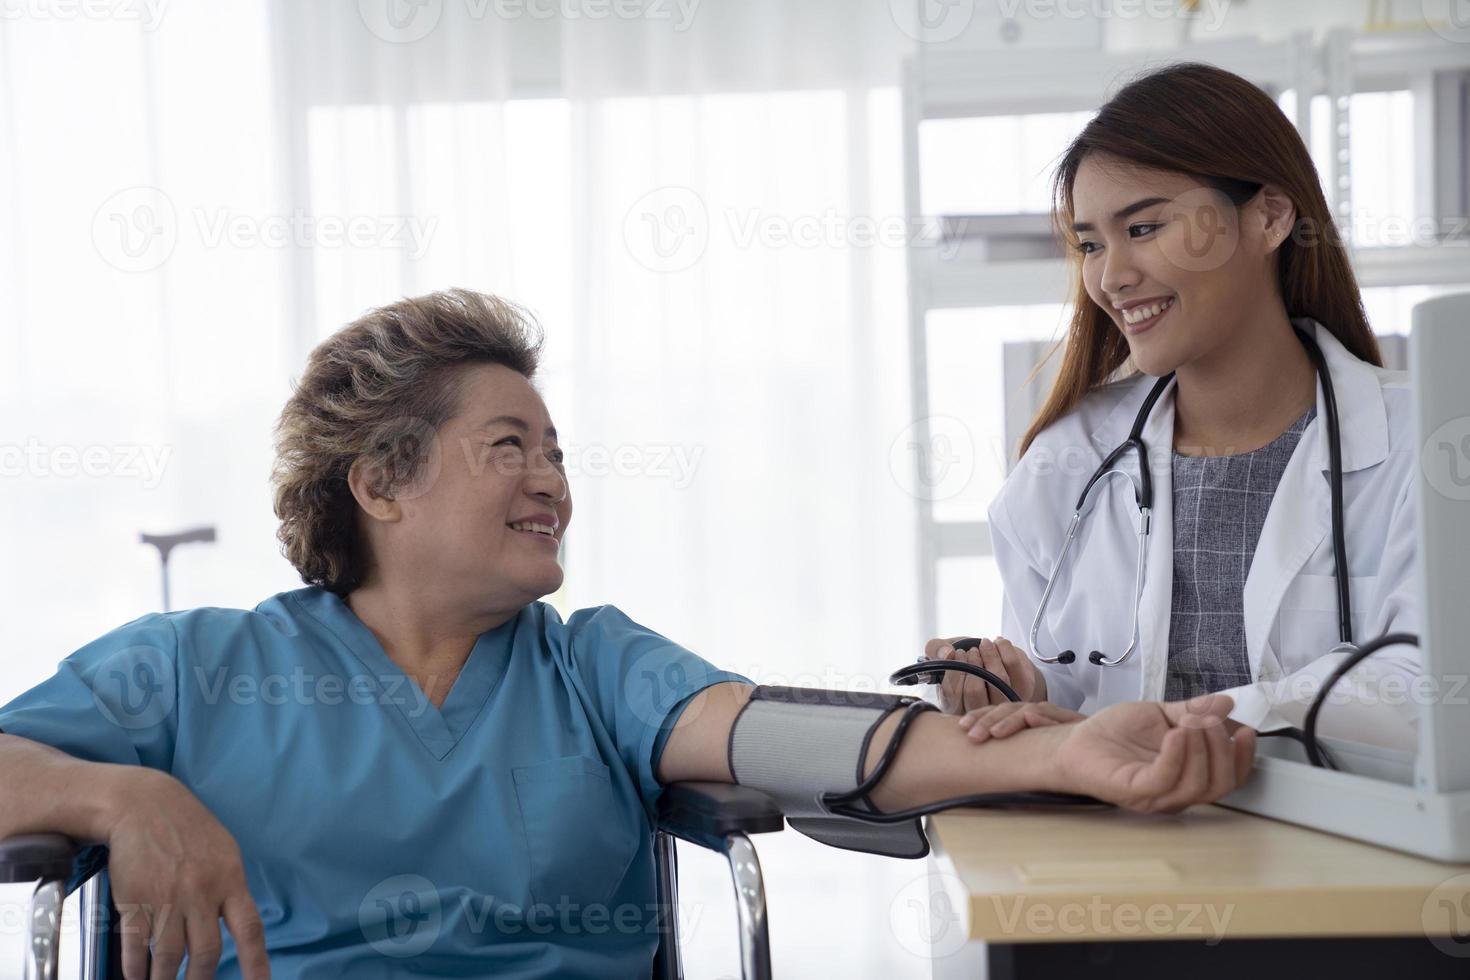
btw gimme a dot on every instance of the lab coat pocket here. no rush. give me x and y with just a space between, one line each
1309 616
580 836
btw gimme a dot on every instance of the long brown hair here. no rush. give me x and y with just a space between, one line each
1211 124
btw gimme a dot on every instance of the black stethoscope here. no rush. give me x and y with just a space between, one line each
1144 496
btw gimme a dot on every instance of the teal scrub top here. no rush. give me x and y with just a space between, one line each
507 833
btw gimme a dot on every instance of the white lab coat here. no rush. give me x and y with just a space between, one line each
1289 601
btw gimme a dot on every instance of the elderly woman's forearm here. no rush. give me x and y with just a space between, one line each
48 791
937 762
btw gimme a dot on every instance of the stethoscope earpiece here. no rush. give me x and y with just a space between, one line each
1066 657
1095 657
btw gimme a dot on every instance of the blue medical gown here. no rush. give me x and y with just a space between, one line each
507 833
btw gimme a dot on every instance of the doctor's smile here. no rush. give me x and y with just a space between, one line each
1139 315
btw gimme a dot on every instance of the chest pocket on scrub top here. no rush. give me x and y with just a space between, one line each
580 836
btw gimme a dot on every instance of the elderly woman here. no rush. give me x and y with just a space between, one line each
413 756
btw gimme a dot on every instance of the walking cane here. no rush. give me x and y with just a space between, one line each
166 543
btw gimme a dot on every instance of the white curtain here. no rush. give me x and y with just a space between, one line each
143 346
702 204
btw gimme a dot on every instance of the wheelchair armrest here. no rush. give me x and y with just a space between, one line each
706 813
30 857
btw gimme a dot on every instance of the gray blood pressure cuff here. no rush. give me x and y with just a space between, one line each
799 744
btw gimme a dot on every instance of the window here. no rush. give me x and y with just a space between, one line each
968 397
961 172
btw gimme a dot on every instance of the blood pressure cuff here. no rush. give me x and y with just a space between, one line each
797 744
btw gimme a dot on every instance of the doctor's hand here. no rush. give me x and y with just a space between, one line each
1010 717
1136 755
960 692
176 871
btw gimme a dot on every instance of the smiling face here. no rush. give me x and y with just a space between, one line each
483 523
1175 265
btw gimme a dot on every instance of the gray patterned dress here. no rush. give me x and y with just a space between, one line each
1220 505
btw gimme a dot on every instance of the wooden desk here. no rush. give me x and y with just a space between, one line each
1211 892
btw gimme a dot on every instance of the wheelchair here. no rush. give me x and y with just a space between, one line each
717 816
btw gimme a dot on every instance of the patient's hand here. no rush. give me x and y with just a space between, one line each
1145 757
175 872
1009 717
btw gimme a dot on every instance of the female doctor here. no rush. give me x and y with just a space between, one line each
1204 245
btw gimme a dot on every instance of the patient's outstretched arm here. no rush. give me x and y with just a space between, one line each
1137 754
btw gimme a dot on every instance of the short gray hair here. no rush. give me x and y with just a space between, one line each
374 389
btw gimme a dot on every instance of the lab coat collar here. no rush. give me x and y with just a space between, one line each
1363 419
1118 422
